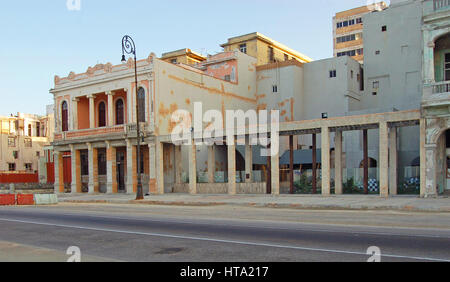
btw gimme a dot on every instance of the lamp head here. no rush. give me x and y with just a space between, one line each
123 59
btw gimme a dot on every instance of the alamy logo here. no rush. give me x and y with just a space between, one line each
73 5
239 124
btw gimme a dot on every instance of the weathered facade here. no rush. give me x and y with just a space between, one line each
23 138
436 95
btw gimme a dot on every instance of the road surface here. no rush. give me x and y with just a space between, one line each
219 234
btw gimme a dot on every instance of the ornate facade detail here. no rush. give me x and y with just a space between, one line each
57 79
108 68
71 75
130 63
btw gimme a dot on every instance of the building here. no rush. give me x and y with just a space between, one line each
183 56
263 48
23 138
380 123
436 95
348 31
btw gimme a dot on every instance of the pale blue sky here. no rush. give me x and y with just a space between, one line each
41 38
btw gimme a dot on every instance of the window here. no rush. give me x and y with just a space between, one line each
377 52
227 77
119 112
141 102
374 93
12 142
11 167
351 74
339 25
28 143
38 154
384 28
376 85
243 48
345 23
29 167
332 73
38 129
64 117
30 133
359 21
174 61
102 114
271 55
447 67
360 51
16 154
286 57
274 88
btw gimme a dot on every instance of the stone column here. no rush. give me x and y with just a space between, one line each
110 95
91 111
248 162
76 170
423 162
129 106
131 184
59 172
178 164
275 172
231 149
75 113
384 160
93 169
152 168
326 175
338 164
431 163
159 167
193 168
111 169
393 166
211 163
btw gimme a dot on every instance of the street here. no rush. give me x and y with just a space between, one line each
219 234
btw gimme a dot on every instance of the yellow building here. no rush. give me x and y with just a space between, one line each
348 31
264 49
183 56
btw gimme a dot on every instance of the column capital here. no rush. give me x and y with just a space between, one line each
108 144
91 96
89 145
76 99
126 90
110 93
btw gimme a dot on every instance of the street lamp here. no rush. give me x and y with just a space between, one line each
128 47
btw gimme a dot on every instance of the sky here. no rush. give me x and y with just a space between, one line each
43 38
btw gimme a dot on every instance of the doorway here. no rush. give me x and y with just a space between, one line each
120 161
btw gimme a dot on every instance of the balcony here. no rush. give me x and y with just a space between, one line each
440 4
434 7
439 95
145 128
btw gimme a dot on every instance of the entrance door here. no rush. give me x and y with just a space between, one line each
120 160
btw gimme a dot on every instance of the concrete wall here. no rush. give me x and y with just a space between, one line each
398 66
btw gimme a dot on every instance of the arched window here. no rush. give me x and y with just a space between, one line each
64 117
141 101
29 130
119 112
102 114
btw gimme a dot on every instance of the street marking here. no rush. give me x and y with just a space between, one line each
221 240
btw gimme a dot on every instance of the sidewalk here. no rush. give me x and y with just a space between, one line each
340 202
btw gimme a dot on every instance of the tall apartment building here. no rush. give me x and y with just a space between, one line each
183 56
348 31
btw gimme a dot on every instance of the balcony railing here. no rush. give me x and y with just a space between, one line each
439 4
441 87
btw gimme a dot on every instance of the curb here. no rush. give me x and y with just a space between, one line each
406 208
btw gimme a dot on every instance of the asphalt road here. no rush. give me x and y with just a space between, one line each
150 236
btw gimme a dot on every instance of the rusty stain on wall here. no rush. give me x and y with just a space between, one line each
213 90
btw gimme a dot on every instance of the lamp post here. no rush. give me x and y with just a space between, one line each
128 47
